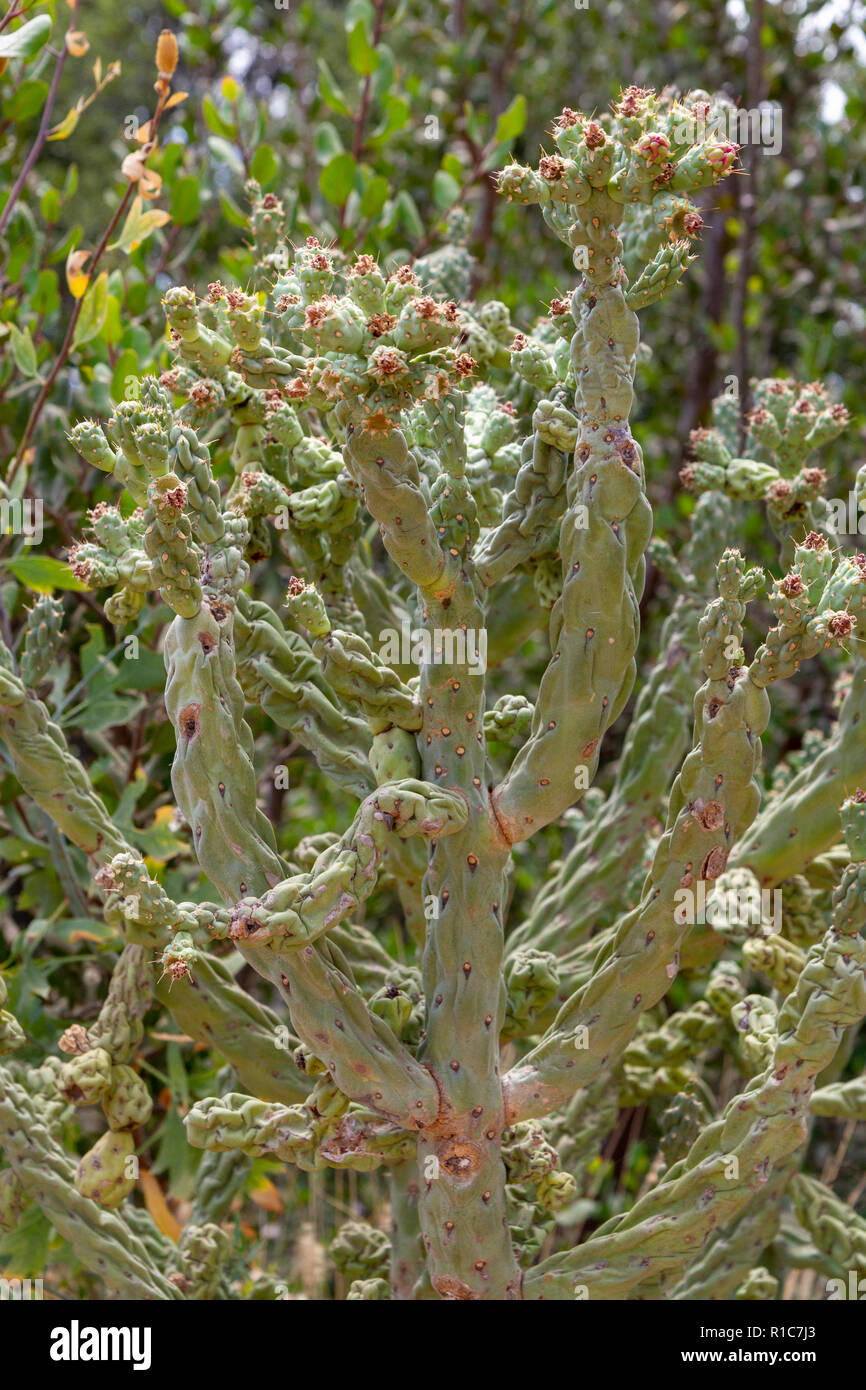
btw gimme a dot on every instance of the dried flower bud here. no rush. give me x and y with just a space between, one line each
166 54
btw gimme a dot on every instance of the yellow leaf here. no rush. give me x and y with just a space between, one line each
142 135
113 70
175 99
138 225
97 71
266 1196
66 126
163 814
150 184
77 43
158 1207
76 277
85 936
229 88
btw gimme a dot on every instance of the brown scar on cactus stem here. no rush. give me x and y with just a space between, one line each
453 1290
714 863
502 836
189 721
460 1158
709 814
245 927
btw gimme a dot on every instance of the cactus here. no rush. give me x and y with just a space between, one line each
381 425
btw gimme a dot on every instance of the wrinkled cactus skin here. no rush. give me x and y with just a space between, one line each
383 424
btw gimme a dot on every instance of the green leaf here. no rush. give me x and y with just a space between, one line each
359 12
397 113
337 179
46 296
227 153
473 123
177 1073
157 843
146 671
173 1149
25 101
214 121
331 92
23 350
446 189
66 928
409 214
112 329
104 711
352 209
125 367
94 648
232 212
383 79
14 849
375 196
93 309
42 574
172 156
265 166
68 244
24 1249
512 122
185 202
327 140
362 55
27 40
49 205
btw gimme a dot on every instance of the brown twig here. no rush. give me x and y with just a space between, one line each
43 126
359 135
66 345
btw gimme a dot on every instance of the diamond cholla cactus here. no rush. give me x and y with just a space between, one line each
507 494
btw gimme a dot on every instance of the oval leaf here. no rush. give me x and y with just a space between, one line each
362 55
93 309
42 574
512 122
27 40
337 179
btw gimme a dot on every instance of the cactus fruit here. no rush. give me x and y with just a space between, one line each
412 486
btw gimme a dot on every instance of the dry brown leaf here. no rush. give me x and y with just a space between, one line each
154 1200
77 42
266 1196
150 184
